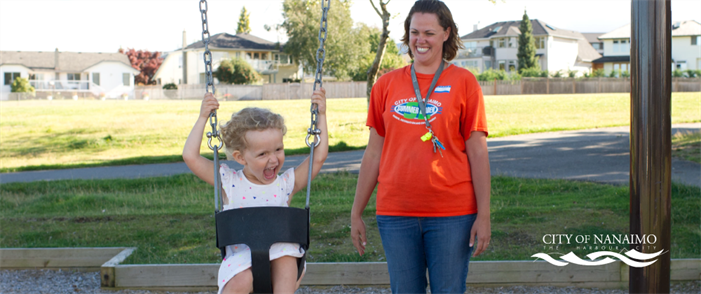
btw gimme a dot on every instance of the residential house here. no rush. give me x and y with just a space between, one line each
100 74
686 47
593 39
496 46
186 66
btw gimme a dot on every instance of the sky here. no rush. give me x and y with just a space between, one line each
158 25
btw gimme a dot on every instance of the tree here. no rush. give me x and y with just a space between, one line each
244 25
380 52
526 45
145 62
236 71
390 61
21 85
344 47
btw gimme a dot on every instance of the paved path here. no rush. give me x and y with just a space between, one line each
600 155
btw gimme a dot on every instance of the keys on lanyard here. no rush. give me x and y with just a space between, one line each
437 145
434 140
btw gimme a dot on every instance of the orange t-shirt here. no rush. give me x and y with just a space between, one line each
414 181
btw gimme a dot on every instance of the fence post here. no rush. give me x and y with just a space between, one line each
598 85
495 86
574 86
521 85
547 85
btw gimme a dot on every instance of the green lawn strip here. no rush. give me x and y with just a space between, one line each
69 134
338 147
170 219
687 145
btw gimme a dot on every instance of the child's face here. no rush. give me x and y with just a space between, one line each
263 157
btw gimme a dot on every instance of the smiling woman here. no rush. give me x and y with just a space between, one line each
431 209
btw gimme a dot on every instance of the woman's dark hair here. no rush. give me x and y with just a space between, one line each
445 20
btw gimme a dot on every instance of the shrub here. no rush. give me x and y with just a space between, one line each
533 72
21 85
678 73
690 73
556 74
236 71
170 86
613 74
625 74
571 73
587 75
599 73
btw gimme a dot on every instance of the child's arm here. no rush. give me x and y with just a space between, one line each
202 167
321 151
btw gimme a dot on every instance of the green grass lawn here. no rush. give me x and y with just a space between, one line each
63 134
687 146
170 219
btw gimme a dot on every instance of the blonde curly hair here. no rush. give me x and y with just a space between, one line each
248 119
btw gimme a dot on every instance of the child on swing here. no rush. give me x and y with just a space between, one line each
253 137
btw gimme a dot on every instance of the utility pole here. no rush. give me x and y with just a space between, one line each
650 139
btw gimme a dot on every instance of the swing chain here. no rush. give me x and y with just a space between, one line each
320 56
208 73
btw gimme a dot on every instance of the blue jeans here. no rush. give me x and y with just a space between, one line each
439 244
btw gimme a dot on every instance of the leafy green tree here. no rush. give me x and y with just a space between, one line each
236 71
526 45
21 85
344 47
244 25
391 60
598 73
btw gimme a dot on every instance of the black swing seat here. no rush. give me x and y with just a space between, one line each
260 228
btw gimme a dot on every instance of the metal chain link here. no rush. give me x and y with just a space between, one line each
320 56
218 202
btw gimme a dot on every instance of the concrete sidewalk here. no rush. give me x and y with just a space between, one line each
600 155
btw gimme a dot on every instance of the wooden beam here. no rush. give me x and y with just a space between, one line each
107 276
56 257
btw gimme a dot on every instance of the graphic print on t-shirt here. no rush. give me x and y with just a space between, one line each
407 110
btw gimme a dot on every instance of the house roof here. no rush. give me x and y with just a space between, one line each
67 61
684 28
511 28
624 58
238 41
586 52
592 37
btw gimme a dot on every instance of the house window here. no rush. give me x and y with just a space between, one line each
615 46
621 46
96 78
512 65
540 42
695 40
470 45
502 65
249 55
491 43
501 42
180 62
264 55
238 54
36 77
487 64
10 77
126 79
511 42
73 76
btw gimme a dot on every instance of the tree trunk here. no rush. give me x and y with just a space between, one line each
375 68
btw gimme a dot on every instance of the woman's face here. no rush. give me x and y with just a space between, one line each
426 37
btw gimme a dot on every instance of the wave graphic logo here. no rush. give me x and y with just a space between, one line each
410 110
573 258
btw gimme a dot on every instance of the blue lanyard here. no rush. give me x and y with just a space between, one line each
422 106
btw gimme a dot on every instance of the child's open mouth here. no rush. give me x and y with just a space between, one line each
269 173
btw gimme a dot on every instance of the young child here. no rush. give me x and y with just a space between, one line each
253 137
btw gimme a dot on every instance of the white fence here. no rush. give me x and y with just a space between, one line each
288 91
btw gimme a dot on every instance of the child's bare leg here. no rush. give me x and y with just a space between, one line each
284 270
241 283
299 281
